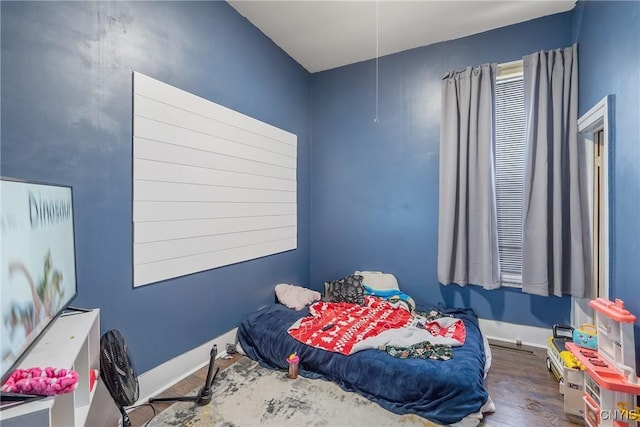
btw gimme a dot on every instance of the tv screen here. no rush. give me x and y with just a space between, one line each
38 265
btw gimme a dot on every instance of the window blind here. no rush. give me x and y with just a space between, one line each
510 137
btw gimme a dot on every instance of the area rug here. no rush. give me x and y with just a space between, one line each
246 394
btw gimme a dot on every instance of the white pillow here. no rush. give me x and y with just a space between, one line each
378 280
295 297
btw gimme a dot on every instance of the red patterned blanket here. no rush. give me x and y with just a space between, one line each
339 326
346 328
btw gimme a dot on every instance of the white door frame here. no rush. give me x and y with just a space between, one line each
596 119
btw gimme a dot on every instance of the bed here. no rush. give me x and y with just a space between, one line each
446 392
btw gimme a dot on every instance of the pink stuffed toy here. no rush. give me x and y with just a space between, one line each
41 381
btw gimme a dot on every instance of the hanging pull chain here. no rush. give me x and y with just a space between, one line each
376 119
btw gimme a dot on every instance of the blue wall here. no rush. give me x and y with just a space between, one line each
375 186
608 36
66 118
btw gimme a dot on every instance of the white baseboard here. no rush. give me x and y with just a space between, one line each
160 378
514 333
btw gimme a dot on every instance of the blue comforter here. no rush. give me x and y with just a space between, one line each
441 391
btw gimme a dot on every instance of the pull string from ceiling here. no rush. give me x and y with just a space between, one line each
376 119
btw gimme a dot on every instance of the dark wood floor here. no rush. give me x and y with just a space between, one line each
524 391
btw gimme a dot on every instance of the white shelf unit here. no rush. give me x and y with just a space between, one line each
72 342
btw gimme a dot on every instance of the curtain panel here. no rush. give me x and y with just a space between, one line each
556 254
467 229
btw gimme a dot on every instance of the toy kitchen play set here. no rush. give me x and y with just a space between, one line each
611 384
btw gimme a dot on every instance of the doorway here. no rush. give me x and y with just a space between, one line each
593 135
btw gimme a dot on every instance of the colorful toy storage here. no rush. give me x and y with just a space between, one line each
611 385
567 369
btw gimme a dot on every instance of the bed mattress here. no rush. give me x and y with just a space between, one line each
443 391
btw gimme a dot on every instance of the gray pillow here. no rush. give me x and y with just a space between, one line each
347 289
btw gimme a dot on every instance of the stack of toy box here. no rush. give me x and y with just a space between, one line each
567 369
611 385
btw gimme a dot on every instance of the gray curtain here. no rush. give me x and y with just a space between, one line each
467 228
556 253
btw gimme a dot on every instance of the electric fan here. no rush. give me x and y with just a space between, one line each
118 372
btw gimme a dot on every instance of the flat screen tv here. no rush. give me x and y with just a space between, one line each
37 261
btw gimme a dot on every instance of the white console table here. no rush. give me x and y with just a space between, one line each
72 342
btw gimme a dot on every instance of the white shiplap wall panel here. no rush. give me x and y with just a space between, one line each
200 141
171 191
157 271
171 249
211 186
169 116
171 211
154 89
171 172
153 150
161 231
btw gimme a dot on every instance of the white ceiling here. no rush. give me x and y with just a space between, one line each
321 35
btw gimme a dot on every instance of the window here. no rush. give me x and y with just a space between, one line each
510 138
